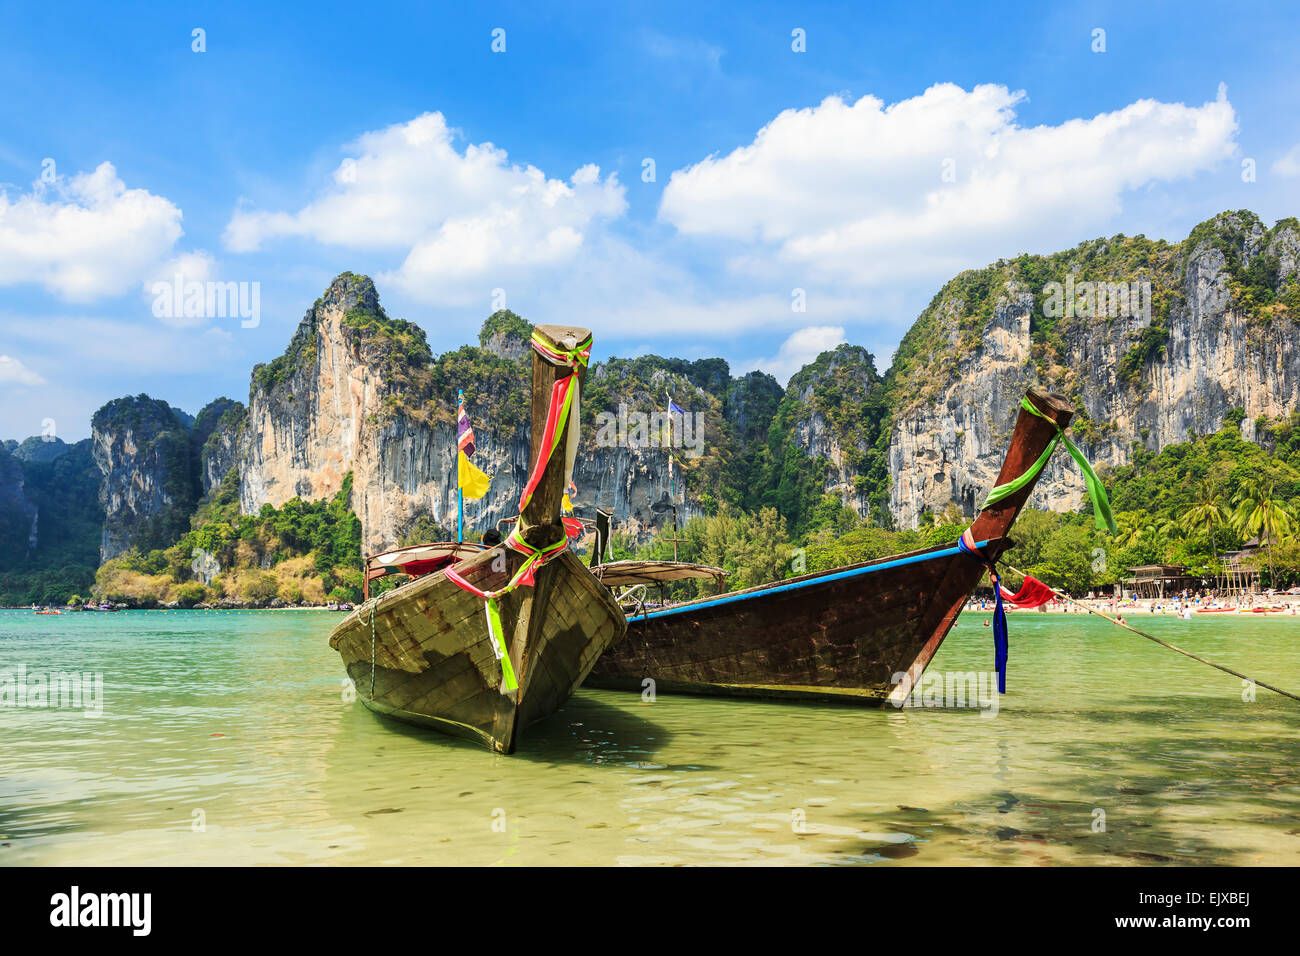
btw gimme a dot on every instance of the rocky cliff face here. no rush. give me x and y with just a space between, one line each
1153 341
833 410
217 439
1219 333
354 393
142 448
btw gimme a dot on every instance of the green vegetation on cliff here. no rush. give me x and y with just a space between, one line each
161 442
506 327
842 393
1187 505
303 552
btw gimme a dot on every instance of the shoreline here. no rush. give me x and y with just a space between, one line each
1284 605
64 610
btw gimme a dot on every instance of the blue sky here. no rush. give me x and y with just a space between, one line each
392 140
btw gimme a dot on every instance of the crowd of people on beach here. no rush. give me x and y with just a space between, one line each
1183 605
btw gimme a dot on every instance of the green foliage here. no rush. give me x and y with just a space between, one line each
497 389
1169 484
505 323
752 548
322 539
1253 283
161 435
406 341
845 393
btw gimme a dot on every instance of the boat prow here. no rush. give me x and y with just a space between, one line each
857 634
423 653
484 641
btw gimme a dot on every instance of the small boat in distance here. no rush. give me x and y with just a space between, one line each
862 633
492 639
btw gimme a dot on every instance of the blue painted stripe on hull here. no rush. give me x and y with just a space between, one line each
797 585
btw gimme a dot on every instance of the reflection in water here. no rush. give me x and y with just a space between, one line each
229 738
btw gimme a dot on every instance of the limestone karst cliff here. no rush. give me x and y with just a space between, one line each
1154 341
359 392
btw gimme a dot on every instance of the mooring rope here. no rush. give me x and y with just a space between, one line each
1129 627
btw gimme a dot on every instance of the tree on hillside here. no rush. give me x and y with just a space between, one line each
1259 514
1207 516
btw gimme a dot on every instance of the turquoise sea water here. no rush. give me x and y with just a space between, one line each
228 737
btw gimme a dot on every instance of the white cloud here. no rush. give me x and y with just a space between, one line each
465 220
85 237
855 192
14 372
1288 165
802 347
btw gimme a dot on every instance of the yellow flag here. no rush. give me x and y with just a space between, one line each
469 479
566 505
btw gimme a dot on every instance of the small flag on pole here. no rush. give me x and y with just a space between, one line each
469 479
464 433
472 482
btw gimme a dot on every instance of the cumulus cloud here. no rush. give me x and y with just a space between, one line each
14 372
802 347
462 219
85 237
865 192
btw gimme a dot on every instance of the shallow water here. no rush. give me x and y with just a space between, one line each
226 737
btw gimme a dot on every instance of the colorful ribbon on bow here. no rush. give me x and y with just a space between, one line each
524 577
1100 503
1032 593
564 405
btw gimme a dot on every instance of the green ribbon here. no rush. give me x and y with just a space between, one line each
497 634
1100 503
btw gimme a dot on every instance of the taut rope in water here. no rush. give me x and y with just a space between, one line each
1128 627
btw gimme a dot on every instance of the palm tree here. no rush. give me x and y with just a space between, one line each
1207 515
1258 514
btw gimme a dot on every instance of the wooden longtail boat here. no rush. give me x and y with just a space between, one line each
862 633
416 561
497 639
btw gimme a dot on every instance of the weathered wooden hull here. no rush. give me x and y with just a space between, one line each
843 637
861 634
433 662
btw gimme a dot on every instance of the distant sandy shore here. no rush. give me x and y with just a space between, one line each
1148 607
64 610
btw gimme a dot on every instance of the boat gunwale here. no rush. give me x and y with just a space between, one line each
817 577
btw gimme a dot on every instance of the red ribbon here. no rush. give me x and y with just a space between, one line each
558 391
1032 593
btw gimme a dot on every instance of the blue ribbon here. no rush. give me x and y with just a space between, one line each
1000 646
